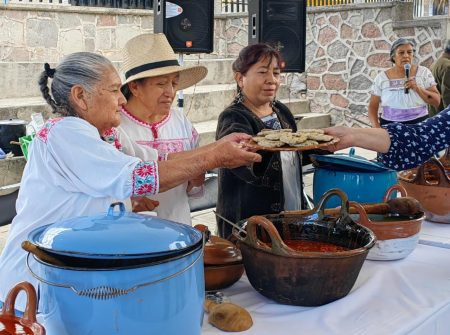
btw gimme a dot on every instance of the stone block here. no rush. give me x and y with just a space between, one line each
313 120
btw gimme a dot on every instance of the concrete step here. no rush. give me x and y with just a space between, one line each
22 108
20 79
201 103
206 102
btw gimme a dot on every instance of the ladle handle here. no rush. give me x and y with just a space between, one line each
41 254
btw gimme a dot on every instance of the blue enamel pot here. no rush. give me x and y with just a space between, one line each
119 273
362 180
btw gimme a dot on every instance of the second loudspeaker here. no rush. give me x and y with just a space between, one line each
187 24
282 24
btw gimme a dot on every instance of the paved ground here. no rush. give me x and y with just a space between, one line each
207 217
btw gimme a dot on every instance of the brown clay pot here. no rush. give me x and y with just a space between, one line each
222 260
27 325
304 278
430 185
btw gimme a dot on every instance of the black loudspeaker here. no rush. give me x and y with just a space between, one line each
187 24
282 24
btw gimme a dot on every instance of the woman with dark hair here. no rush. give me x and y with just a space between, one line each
275 184
403 98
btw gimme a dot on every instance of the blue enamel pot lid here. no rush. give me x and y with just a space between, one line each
348 161
118 234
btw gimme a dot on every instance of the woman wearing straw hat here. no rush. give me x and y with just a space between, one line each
152 78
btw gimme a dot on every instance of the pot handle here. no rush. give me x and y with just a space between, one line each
320 208
278 246
363 218
30 309
390 190
439 173
108 292
121 209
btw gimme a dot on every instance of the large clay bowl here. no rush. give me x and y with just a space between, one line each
430 185
304 278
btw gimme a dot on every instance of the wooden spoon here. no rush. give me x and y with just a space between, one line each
403 206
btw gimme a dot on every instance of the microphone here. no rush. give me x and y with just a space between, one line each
407 68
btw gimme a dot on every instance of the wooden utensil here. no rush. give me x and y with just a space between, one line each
41 254
402 206
227 316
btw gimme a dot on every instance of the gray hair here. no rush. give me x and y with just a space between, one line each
399 42
80 68
447 46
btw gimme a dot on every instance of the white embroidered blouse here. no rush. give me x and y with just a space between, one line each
174 133
396 105
70 172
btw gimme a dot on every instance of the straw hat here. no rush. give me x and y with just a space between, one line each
150 55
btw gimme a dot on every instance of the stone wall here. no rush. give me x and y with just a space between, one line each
346 45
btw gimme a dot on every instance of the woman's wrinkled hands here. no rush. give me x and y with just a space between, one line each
143 204
231 151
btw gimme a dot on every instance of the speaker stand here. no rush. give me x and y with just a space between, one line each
180 92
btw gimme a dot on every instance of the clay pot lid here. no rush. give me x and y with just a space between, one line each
219 251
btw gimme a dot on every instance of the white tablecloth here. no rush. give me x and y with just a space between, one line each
435 234
409 296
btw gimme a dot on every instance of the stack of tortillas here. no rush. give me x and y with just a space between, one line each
270 138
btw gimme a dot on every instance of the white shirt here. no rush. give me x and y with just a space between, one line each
174 133
395 104
70 172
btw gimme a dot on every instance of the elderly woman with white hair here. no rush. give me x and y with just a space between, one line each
403 96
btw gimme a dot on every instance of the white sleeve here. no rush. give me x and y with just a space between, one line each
84 163
131 148
427 77
376 87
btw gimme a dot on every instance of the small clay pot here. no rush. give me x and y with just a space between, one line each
430 185
10 323
222 260
397 236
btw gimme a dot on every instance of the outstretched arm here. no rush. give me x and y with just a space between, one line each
376 139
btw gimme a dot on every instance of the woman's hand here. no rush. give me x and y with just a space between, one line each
235 137
231 151
143 204
345 135
411 84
